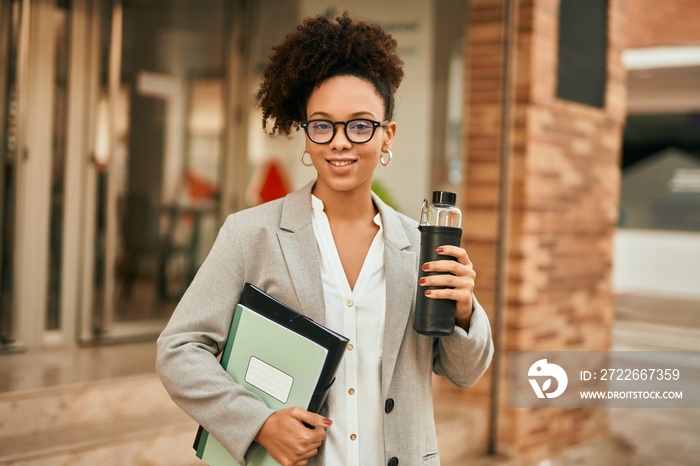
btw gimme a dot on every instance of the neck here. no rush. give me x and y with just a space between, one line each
350 205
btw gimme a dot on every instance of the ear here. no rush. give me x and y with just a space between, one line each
389 135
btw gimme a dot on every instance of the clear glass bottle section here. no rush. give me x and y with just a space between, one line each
442 212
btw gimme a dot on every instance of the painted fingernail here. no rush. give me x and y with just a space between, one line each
327 421
440 249
421 280
427 292
426 266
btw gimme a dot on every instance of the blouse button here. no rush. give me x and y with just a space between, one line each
351 391
350 346
389 405
349 303
353 437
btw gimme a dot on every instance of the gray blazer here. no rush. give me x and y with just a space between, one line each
273 246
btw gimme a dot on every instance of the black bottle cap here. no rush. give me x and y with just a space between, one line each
444 197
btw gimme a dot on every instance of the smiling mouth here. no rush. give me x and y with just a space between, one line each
341 163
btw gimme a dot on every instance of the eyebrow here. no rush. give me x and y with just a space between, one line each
352 115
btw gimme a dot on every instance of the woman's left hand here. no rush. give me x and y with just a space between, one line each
456 283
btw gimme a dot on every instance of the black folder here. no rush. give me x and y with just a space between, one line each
260 303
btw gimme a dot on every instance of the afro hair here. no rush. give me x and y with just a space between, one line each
317 50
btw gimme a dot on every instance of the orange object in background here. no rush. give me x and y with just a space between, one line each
199 187
269 183
274 185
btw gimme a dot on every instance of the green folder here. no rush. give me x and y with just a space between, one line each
281 356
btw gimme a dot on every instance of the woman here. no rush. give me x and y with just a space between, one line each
334 251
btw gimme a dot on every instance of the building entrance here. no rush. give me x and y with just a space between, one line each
128 133
159 132
114 120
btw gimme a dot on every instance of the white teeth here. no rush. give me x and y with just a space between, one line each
341 163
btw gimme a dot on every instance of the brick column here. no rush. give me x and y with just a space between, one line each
561 216
651 23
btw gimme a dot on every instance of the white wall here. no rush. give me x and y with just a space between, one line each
657 262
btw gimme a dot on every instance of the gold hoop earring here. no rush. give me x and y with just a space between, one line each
301 158
386 162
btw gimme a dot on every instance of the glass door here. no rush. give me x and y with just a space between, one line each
11 14
34 45
155 182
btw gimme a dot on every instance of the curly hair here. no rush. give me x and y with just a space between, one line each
317 50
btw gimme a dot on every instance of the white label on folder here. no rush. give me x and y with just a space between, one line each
269 379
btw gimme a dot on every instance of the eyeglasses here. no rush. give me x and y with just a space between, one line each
357 130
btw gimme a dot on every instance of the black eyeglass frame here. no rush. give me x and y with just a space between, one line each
334 124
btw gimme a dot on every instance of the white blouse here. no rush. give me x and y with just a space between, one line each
355 402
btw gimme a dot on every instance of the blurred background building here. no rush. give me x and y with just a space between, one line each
570 131
660 196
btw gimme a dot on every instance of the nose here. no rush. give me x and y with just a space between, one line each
340 139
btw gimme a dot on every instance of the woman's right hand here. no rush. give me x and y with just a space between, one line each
288 440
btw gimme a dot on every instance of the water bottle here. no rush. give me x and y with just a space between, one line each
440 225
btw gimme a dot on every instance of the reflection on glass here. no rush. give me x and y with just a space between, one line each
9 44
58 36
161 169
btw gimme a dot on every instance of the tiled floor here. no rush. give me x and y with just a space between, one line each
639 437
36 369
